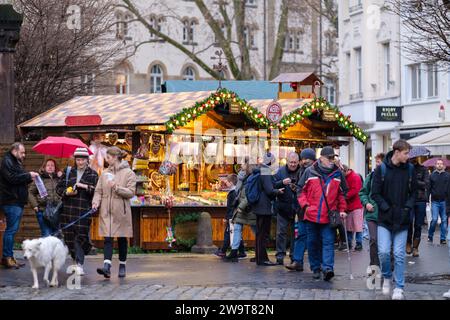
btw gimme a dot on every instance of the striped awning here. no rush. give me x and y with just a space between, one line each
121 109
138 109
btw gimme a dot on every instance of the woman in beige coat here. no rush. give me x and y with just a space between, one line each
115 187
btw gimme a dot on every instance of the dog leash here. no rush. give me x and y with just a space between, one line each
75 221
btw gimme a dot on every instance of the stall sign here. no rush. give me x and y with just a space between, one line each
274 112
328 115
83 121
388 114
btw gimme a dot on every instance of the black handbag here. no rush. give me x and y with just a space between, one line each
333 215
54 209
52 212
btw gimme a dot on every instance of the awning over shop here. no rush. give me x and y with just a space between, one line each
437 141
129 109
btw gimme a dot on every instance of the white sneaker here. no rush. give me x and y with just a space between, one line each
386 290
80 270
446 295
398 294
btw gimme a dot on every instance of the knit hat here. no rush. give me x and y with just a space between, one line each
81 153
269 158
308 153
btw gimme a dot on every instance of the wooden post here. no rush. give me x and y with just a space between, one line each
6 98
10 22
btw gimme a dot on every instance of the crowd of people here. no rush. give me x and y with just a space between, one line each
308 196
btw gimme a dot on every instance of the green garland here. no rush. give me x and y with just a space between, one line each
219 97
316 105
182 118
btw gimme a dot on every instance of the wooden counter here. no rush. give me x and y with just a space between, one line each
149 226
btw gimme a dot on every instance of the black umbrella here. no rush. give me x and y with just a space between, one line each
419 151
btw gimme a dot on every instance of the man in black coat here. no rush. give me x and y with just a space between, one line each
14 182
419 210
439 181
263 209
286 205
394 190
307 158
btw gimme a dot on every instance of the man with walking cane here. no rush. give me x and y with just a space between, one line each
322 196
394 190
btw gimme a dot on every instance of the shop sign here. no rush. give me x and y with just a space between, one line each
328 115
274 112
83 121
388 114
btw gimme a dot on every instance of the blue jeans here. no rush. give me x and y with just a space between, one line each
365 233
46 230
385 240
358 238
300 243
237 235
438 209
320 256
13 216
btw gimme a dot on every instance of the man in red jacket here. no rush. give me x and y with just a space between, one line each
355 218
322 187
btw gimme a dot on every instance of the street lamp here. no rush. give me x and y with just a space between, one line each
10 23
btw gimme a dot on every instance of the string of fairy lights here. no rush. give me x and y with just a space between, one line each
318 104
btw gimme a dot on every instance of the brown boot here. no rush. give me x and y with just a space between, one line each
19 264
416 247
9 263
408 248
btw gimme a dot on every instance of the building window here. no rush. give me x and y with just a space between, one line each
156 23
189 31
432 75
122 83
416 84
88 83
330 47
189 74
387 66
358 60
156 79
347 71
122 26
330 91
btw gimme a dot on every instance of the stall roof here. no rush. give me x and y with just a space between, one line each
133 109
306 78
175 110
247 90
118 109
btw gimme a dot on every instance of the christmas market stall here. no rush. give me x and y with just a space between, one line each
183 145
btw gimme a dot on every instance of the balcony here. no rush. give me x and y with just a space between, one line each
355 9
356 96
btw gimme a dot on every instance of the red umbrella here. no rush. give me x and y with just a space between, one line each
60 147
432 162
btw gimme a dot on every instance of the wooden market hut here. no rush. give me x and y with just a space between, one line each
305 122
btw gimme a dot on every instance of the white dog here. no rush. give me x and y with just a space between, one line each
48 252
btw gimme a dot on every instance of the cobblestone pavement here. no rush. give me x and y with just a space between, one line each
204 277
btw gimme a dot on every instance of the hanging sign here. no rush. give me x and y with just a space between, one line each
274 112
388 114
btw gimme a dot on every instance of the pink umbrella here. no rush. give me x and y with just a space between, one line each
60 147
432 162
